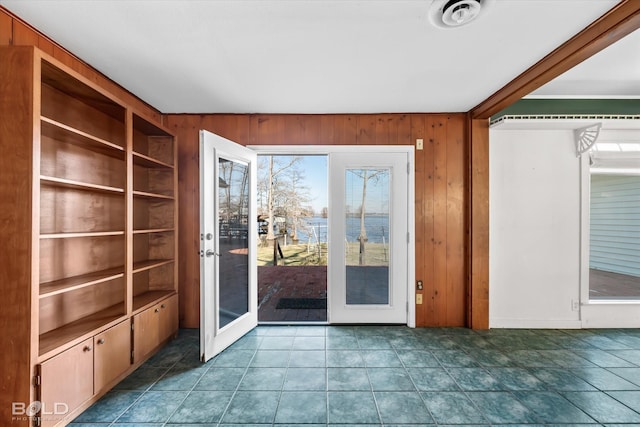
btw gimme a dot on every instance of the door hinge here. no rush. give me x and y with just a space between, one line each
36 380
132 358
37 420
132 324
408 168
408 237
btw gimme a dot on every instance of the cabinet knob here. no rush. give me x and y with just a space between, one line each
86 348
101 341
162 306
156 310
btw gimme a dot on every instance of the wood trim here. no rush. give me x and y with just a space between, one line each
620 21
128 274
45 45
16 192
478 220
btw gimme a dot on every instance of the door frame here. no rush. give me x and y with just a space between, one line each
293 150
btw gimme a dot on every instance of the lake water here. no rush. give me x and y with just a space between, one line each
377 227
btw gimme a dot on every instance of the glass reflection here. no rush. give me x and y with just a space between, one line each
233 202
367 236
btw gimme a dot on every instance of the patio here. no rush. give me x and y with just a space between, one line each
607 285
277 282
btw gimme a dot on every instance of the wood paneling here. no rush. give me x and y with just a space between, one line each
46 45
6 29
23 35
621 20
438 286
456 215
423 230
441 188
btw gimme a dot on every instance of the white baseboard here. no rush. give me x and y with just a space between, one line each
496 323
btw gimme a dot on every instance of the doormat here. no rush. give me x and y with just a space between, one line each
302 303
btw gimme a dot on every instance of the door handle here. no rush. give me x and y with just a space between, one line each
209 253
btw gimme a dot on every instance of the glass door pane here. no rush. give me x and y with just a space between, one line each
367 236
233 202
369 259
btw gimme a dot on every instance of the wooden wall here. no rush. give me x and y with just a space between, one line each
441 192
16 32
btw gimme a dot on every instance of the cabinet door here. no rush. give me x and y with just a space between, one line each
66 382
112 354
168 317
145 332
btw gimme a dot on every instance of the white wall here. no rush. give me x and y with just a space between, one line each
534 268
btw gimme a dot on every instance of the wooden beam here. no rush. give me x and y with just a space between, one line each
478 218
620 21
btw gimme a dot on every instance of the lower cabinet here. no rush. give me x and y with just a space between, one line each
77 374
168 318
153 326
66 382
88 369
112 354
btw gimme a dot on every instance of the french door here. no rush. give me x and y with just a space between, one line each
369 237
371 260
228 227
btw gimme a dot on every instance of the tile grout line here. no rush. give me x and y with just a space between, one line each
414 383
244 374
145 391
186 395
373 394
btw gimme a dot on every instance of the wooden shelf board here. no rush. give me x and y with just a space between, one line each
61 132
150 162
74 332
145 300
87 234
153 230
79 185
149 264
149 129
72 283
147 195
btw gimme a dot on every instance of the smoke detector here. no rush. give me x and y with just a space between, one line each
455 13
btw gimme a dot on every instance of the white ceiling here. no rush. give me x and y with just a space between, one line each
324 56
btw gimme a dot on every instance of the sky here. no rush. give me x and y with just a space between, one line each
315 170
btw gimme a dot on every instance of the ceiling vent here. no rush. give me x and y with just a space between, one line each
460 12
456 13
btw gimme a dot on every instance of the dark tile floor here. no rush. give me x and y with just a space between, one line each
372 375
